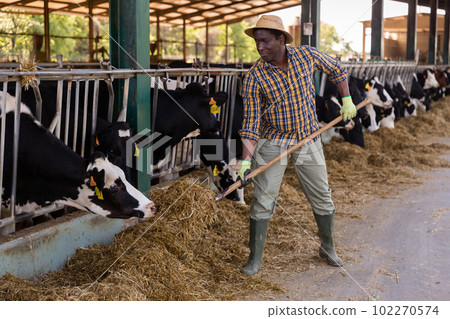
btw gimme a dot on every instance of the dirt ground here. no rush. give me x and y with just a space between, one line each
401 253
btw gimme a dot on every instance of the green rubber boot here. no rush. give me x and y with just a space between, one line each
258 232
325 223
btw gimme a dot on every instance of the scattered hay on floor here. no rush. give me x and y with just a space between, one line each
194 248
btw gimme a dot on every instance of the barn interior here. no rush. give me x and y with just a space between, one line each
128 23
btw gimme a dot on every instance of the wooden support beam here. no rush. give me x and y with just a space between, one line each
91 31
184 40
207 42
46 31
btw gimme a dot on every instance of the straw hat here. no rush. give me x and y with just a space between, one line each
269 22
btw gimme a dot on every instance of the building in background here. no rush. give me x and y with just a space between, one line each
395 30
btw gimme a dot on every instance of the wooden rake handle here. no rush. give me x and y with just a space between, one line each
307 139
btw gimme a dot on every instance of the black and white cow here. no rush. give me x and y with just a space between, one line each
418 95
381 108
109 138
49 171
223 158
328 108
180 112
405 107
430 85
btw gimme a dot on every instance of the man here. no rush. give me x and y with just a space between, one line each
279 111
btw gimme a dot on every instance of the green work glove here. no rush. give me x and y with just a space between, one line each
348 109
244 171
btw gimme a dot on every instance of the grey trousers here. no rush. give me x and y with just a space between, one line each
309 164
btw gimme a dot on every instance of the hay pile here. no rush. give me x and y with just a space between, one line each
194 248
193 251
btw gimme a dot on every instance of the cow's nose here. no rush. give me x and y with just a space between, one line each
150 210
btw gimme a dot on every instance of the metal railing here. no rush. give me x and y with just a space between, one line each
66 81
182 156
225 80
386 71
70 81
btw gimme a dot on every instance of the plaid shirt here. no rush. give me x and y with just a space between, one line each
281 106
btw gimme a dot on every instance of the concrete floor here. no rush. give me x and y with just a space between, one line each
403 250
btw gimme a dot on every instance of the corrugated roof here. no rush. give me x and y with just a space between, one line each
195 12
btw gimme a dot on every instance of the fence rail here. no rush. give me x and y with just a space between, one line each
182 157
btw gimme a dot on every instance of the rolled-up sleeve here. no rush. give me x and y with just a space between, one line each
331 66
252 108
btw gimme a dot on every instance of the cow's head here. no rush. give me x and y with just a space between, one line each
429 80
377 94
203 106
106 192
112 141
370 122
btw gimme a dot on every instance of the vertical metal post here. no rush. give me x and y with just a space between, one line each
305 18
47 31
446 52
94 109
2 142
432 43
377 26
75 120
129 26
15 147
315 17
59 93
67 123
411 35
85 111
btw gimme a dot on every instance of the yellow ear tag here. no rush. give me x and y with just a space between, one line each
214 109
212 102
96 141
136 150
368 86
92 183
98 193
215 171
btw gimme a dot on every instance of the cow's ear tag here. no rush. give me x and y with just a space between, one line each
98 193
368 86
136 150
216 171
214 107
326 105
92 182
96 141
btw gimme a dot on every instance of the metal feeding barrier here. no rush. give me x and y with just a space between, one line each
213 80
86 85
386 71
